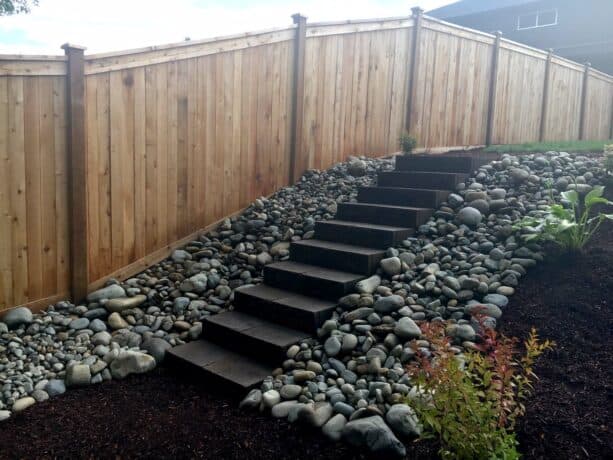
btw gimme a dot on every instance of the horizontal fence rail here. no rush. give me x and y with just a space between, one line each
109 161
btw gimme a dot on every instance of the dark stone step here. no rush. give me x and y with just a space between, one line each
400 196
403 216
287 308
251 335
420 179
339 256
310 280
361 234
438 163
220 366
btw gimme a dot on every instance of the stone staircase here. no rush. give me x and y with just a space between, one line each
241 347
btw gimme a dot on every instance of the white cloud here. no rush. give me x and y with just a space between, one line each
107 25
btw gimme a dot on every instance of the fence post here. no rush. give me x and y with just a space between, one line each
77 161
491 105
297 96
544 111
586 76
417 16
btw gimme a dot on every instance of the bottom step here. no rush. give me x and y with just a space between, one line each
222 366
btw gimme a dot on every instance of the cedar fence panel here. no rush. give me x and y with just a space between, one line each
180 136
34 247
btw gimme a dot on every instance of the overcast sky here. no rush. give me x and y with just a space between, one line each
108 25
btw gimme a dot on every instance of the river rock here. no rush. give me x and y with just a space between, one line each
470 216
391 266
131 362
403 420
407 329
388 304
156 347
111 291
78 375
17 316
252 400
368 285
124 303
23 403
333 428
316 414
372 432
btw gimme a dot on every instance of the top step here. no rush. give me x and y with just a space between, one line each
438 163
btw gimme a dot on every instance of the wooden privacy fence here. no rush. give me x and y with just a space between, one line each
108 161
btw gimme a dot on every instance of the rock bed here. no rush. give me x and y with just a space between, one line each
351 380
125 328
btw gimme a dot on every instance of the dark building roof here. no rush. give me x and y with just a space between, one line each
464 7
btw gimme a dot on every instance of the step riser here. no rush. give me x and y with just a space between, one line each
243 343
436 163
407 179
338 260
306 285
280 313
383 216
372 238
402 197
220 369
212 380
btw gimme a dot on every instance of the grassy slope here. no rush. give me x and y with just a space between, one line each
568 146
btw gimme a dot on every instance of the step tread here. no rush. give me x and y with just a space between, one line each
424 174
225 364
348 223
315 271
257 328
289 298
387 206
404 190
331 245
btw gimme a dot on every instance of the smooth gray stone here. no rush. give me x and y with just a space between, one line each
372 432
17 316
112 291
403 420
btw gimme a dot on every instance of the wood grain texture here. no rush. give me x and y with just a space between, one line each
178 145
34 249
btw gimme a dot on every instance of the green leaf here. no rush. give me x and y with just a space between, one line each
571 195
559 211
596 192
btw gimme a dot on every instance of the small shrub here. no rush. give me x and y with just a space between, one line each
572 227
407 143
473 405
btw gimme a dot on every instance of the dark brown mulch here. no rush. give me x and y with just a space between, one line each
161 415
164 415
569 301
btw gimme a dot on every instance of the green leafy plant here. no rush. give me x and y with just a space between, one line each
473 403
407 143
571 227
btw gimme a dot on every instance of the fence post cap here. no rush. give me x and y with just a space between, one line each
417 11
71 46
498 33
298 17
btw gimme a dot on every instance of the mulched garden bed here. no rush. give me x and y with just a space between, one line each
163 415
